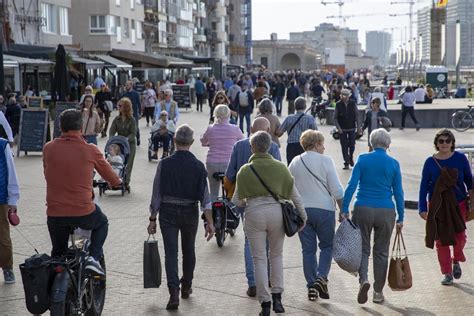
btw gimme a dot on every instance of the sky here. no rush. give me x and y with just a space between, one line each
285 16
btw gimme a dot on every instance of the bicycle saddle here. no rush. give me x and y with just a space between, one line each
218 175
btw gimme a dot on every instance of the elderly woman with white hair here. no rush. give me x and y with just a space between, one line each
378 178
265 109
263 216
220 137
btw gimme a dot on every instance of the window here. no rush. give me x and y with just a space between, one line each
132 33
139 29
117 3
98 24
126 27
63 21
132 4
48 12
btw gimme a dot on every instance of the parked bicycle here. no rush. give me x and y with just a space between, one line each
462 120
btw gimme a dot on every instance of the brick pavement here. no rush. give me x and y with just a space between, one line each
220 284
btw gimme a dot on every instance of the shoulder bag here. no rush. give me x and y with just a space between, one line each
399 271
291 219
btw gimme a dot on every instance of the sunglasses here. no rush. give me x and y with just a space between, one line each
444 141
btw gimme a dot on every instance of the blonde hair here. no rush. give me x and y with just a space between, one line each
310 138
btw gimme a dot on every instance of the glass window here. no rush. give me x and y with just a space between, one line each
98 25
126 26
63 21
48 12
117 3
139 29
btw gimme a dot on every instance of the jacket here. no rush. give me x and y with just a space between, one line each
444 216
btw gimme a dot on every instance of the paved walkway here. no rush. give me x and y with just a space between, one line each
220 284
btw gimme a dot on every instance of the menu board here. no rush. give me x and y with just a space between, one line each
182 95
35 103
33 127
61 107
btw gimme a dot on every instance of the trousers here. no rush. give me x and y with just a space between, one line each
6 248
293 150
408 110
347 140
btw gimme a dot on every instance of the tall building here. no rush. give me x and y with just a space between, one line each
201 45
218 23
462 11
240 32
430 21
377 44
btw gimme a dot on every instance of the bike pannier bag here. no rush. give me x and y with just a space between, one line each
399 271
151 264
243 99
347 250
36 277
233 217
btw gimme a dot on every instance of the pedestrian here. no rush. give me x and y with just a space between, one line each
233 91
241 153
211 89
408 107
87 91
162 131
98 81
22 102
180 183
244 104
278 95
5 129
346 119
220 137
420 94
9 196
291 94
13 115
295 125
429 94
260 91
168 105
381 96
263 217
102 99
378 178
221 98
134 98
445 181
125 125
91 122
374 118
199 89
317 181
265 109
390 91
148 103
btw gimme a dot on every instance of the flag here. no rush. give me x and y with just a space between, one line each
441 3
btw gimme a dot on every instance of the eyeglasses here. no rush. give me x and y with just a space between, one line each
443 141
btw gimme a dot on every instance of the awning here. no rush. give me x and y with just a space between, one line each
160 61
27 61
89 63
198 59
114 62
10 63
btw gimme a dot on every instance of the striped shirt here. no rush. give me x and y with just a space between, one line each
305 123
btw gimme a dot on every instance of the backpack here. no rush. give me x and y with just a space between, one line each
243 99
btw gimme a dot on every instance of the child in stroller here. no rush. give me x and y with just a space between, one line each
117 152
115 158
162 133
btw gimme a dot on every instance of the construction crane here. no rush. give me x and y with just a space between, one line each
340 3
350 16
410 14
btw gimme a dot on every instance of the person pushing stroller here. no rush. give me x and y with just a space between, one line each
162 131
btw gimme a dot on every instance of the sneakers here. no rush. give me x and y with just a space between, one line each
94 266
312 294
9 276
448 279
362 296
457 272
346 167
378 297
321 286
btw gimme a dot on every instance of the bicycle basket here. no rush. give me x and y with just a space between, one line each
36 275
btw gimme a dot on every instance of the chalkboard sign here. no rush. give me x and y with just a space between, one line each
182 95
140 87
33 126
61 107
35 103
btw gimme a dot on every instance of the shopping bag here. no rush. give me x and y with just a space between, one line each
399 271
151 264
347 250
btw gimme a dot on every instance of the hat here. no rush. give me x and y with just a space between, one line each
346 92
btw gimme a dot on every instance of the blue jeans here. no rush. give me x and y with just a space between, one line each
320 225
91 139
278 103
241 122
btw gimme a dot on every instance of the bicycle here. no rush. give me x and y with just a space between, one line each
76 291
462 120
318 109
224 213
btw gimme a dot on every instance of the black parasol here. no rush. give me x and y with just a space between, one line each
60 80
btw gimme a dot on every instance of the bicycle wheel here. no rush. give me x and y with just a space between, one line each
461 121
220 237
97 291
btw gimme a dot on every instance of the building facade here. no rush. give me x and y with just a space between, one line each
240 32
100 26
378 45
430 22
462 11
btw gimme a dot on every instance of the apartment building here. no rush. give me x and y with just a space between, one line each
460 11
430 21
101 26
218 23
377 44
240 32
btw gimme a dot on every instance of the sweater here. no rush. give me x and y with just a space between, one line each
220 138
124 127
274 174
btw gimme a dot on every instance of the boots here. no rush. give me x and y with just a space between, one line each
277 306
173 303
186 290
265 308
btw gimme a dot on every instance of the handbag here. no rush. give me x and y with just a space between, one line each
399 271
151 264
347 251
292 220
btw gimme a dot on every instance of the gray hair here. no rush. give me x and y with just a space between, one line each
265 106
346 92
377 89
261 142
300 104
169 92
380 138
222 113
184 135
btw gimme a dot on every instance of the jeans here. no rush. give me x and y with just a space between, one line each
348 141
174 219
91 139
291 107
293 150
138 130
320 225
241 122
408 110
61 227
278 101
6 249
161 138
199 99
381 221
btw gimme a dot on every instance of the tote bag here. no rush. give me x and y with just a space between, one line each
399 271
151 264
347 250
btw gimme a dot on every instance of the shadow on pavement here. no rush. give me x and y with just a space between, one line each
409 310
466 288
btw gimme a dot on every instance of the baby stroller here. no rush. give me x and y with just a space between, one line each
152 149
122 142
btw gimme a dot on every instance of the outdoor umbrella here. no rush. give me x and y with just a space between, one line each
60 80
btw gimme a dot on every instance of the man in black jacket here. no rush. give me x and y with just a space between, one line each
100 98
346 119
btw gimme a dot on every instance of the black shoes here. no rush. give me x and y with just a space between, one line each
186 290
351 162
362 296
321 285
266 309
277 305
252 291
173 303
346 166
